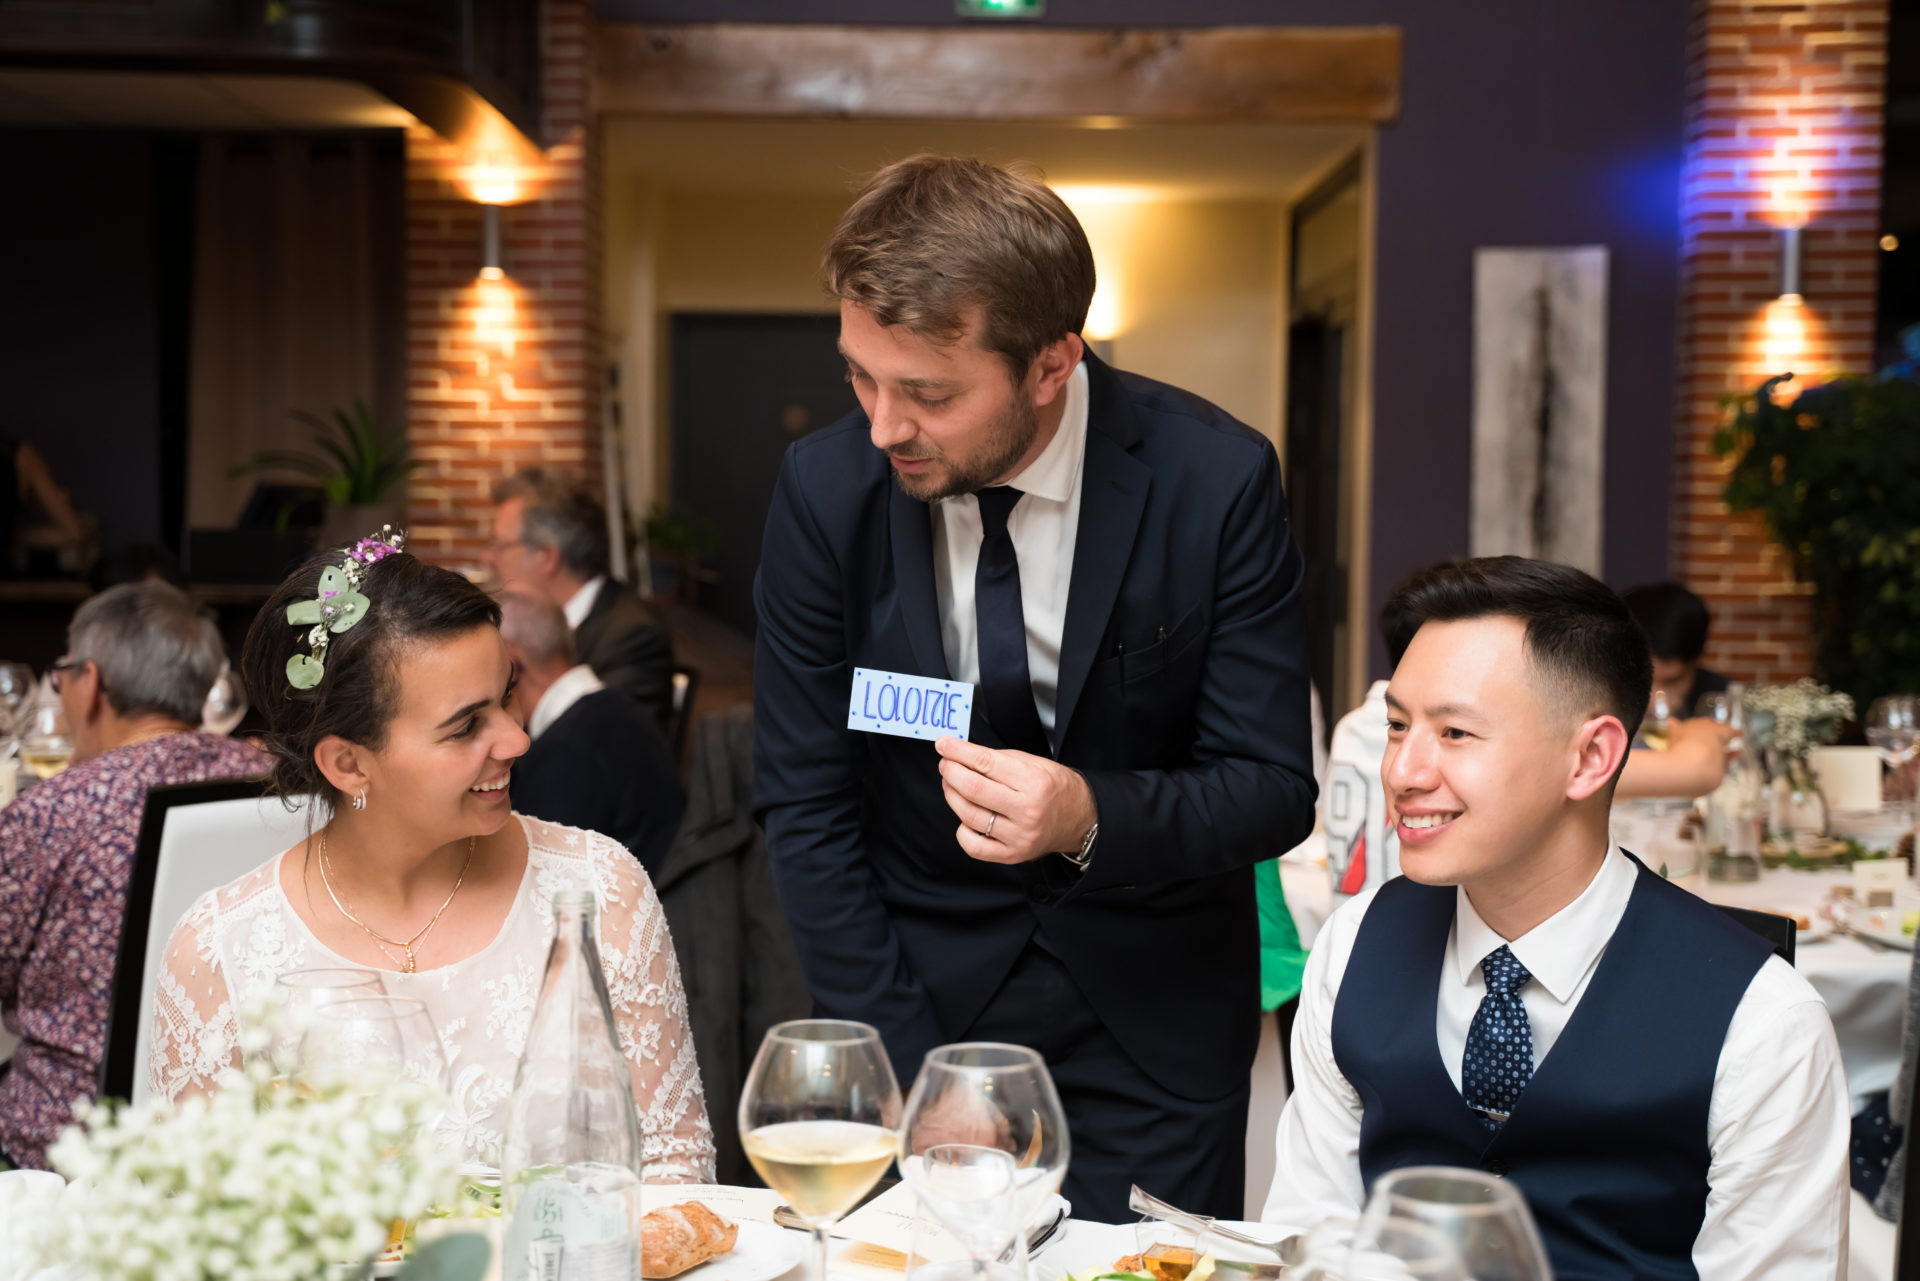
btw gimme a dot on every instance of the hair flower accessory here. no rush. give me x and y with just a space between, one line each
340 605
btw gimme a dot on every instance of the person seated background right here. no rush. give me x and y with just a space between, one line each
1676 623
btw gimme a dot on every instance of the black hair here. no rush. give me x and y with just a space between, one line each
408 601
1674 619
1396 629
1580 634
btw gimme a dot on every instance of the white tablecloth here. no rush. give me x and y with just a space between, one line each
1865 988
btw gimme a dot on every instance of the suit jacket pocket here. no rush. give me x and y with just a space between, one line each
1149 658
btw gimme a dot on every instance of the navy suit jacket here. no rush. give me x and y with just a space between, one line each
603 766
1182 701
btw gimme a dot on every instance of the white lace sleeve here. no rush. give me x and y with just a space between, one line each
650 1006
195 1035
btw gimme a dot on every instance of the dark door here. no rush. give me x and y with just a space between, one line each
742 389
1316 354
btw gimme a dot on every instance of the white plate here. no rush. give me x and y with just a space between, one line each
1819 930
1881 924
760 1253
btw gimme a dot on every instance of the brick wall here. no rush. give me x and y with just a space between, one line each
1783 126
505 374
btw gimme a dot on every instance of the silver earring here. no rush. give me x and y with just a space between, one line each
360 801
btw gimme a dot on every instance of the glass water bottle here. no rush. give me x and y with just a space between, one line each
570 1163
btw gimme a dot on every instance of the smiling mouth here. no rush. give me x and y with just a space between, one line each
497 785
1427 822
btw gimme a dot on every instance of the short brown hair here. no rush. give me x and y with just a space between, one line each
931 237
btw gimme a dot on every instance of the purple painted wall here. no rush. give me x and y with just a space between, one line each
1521 123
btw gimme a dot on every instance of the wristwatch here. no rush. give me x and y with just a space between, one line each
1084 855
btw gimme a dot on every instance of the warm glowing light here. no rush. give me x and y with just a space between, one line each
1784 332
1103 315
495 314
1078 194
496 178
1889 243
492 273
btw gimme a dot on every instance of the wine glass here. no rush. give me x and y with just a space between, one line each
226 704
818 1115
16 683
1391 1248
1657 729
989 1094
1893 727
301 993
1483 1218
369 1038
968 1189
45 747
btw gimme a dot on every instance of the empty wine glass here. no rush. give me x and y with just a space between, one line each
1484 1219
16 683
365 1038
993 1095
1391 1248
818 1116
969 1191
1893 727
301 993
226 704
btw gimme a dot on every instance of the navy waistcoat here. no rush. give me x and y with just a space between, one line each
1609 1140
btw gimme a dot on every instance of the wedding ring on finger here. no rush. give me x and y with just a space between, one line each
987 831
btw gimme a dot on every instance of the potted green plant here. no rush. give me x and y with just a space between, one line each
361 464
1834 472
677 540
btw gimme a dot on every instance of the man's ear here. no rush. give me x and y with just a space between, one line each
1053 366
1601 745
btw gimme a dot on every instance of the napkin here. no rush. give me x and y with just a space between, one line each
887 1222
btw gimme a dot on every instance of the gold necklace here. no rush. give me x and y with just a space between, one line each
380 940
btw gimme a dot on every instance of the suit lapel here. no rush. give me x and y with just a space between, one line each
1113 496
910 522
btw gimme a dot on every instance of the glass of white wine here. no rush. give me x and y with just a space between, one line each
819 1119
45 747
1657 729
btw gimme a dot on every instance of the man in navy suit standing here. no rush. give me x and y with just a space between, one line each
1106 560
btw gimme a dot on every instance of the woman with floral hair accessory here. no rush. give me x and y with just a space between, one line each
388 694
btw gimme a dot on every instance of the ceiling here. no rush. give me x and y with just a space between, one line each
1214 162
168 100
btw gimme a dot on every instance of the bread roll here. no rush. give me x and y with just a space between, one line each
680 1237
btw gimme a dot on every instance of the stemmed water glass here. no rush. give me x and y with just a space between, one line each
1893 727
373 1037
16 683
818 1116
985 1094
301 994
1484 1219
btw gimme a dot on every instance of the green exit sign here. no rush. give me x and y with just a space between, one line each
1000 8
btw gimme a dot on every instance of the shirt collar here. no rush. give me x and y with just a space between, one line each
575 684
1052 475
581 603
1560 950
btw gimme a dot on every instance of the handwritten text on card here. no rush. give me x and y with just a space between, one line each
910 706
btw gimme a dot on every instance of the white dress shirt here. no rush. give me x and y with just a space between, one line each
1044 526
1777 1127
581 603
572 686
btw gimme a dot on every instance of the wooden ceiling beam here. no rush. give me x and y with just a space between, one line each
1239 75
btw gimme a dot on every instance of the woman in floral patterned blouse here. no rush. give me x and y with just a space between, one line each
140 659
395 709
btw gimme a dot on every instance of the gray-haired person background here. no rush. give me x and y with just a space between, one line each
140 659
550 538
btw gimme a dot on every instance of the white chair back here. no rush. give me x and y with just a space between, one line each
203 847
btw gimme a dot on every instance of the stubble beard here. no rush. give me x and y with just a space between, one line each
1009 437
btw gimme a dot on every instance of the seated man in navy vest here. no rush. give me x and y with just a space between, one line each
1529 1000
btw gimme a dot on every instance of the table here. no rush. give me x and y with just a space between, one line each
1864 985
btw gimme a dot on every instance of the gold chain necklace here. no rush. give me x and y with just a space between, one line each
380 940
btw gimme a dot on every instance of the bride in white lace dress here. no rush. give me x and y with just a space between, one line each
430 879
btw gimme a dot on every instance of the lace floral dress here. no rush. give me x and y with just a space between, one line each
233 943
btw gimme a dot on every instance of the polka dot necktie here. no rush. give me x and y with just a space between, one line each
1499 1058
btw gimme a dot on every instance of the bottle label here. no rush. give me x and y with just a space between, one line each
559 1233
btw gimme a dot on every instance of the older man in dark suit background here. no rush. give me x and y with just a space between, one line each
1107 560
550 537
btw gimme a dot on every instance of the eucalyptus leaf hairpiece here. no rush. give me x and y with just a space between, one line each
339 607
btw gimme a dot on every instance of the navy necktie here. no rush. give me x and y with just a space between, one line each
1499 1059
1006 686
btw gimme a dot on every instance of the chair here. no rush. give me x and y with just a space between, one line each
1781 931
686 683
193 837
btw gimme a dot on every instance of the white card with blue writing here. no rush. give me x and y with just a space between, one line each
910 706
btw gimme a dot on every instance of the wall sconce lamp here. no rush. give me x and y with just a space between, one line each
490 262
1790 266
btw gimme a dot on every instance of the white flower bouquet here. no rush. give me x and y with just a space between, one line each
266 1179
1805 715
